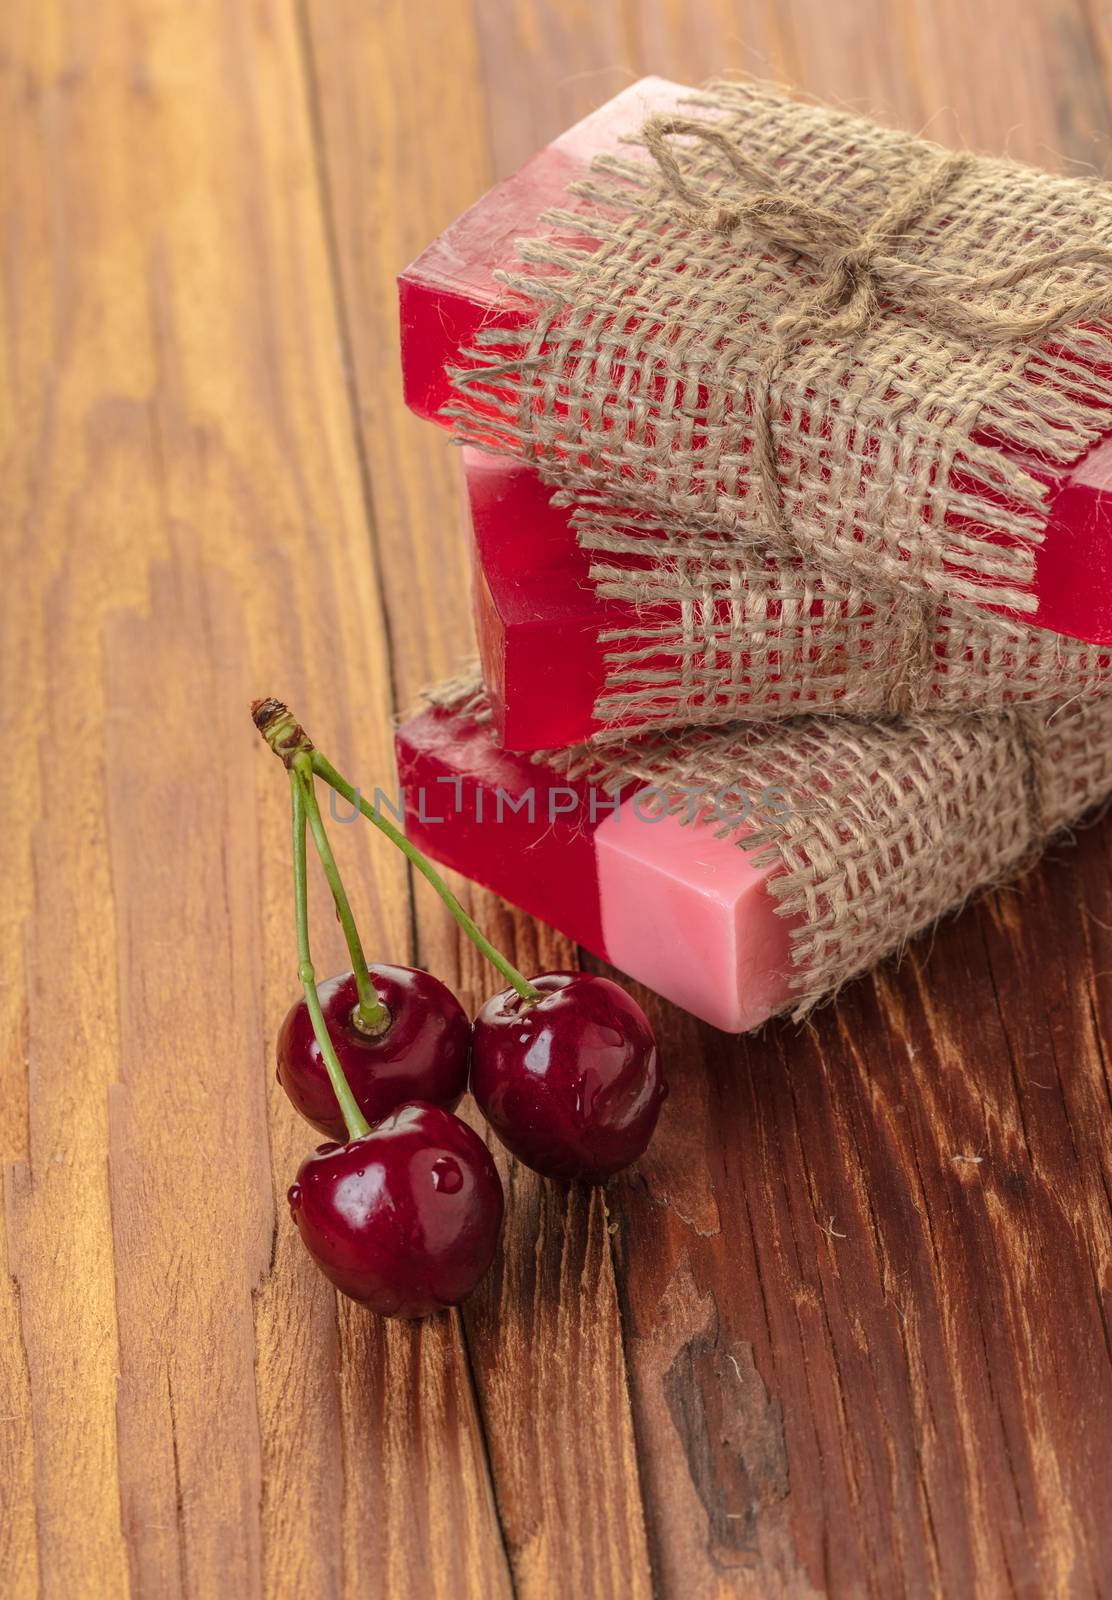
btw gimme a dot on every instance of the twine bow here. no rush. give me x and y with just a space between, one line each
858 269
858 273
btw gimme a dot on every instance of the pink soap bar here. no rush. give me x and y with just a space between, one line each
450 292
667 902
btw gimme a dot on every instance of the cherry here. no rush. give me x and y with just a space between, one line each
404 1218
405 1214
571 1083
421 1054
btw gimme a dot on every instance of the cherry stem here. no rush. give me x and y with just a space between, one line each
354 1120
293 746
327 772
370 1015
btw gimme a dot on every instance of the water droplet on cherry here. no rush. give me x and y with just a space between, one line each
446 1175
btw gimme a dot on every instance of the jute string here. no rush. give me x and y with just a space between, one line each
857 268
858 272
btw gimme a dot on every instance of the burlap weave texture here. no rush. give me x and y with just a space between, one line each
904 499
880 826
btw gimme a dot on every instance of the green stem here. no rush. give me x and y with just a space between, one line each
325 770
354 1120
370 1015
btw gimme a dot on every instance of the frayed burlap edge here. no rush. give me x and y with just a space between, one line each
884 826
1046 399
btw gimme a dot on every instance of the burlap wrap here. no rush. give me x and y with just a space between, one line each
771 369
883 826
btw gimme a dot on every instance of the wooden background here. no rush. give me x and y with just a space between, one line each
846 1330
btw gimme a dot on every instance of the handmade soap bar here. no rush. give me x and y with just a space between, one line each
666 902
537 617
788 858
451 290
450 294
545 632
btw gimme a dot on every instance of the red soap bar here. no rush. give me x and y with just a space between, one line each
451 774
537 617
672 903
450 292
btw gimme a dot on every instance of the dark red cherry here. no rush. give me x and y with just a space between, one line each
406 1218
571 1084
422 1054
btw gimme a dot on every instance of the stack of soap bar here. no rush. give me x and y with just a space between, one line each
662 899
646 592
451 291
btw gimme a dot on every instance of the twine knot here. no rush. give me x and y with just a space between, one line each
857 268
858 272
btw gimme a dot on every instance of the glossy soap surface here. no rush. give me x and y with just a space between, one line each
537 617
406 1218
668 902
422 1055
451 290
689 913
518 828
572 1085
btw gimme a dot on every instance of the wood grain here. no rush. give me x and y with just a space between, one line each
846 1330
546 1322
188 527
724 1511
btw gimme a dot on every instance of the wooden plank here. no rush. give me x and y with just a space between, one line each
186 527
910 1254
402 149
1050 106
546 66
191 1236
846 1329
544 1332
832 1309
